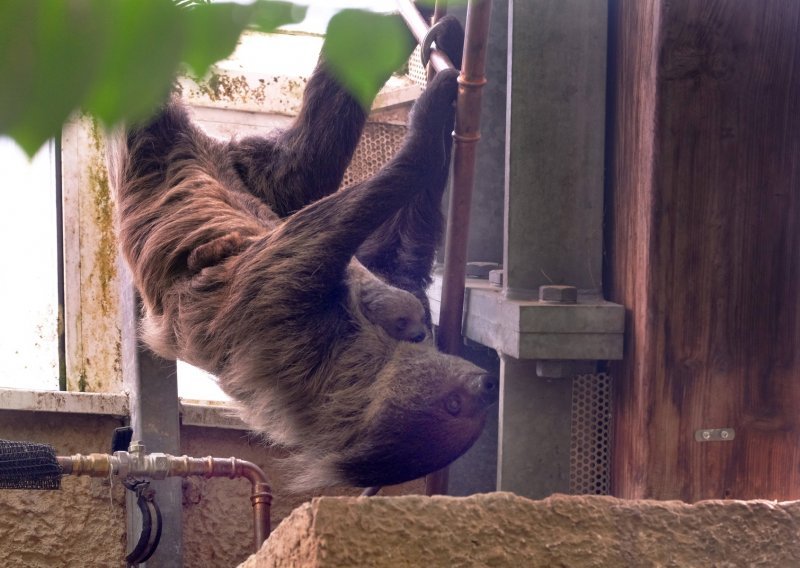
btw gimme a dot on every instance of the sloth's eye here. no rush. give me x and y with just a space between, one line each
453 404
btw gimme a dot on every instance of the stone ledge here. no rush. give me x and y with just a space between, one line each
109 404
502 529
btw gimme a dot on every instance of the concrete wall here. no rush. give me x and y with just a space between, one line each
502 529
81 525
84 523
217 516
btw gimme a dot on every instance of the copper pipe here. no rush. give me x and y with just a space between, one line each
159 466
466 136
419 28
260 495
467 133
260 498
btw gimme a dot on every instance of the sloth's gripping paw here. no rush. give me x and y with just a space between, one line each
448 36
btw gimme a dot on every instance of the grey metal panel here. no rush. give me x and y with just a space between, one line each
555 143
534 436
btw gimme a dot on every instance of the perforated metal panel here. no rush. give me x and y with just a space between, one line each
415 69
590 443
381 141
378 144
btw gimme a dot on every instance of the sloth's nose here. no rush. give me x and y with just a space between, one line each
418 338
485 388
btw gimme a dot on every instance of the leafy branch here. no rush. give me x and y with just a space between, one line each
117 59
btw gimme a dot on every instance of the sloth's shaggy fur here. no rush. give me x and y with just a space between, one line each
244 255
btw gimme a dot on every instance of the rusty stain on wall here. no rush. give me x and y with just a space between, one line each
92 322
221 87
105 269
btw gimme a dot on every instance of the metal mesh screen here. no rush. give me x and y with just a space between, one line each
378 144
24 465
381 141
415 69
590 443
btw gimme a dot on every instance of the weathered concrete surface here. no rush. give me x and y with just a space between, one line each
83 524
502 529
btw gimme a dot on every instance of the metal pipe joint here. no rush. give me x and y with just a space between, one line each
136 463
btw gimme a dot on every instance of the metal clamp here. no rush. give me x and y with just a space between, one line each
151 522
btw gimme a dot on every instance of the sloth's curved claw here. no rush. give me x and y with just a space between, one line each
449 37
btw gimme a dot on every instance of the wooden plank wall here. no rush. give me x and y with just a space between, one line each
703 246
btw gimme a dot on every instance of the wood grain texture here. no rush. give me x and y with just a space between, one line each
703 246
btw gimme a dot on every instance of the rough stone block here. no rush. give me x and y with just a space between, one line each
502 529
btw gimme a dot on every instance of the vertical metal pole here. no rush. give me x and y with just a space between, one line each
466 136
151 383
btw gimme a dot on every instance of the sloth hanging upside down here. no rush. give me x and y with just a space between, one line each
306 302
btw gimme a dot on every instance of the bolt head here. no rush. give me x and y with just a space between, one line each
159 465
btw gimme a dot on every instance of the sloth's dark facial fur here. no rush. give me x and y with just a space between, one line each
410 438
308 303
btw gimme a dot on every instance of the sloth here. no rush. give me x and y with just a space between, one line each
306 301
398 312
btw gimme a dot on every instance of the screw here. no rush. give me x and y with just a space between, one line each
558 294
724 434
706 435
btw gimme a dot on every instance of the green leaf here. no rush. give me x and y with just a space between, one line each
50 61
364 49
222 22
141 50
269 16
117 59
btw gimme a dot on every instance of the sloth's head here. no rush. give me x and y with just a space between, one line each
433 410
422 411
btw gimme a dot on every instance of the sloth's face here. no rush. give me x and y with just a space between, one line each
433 411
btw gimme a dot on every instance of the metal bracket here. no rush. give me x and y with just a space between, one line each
715 435
589 329
150 534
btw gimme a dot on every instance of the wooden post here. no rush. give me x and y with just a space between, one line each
703 247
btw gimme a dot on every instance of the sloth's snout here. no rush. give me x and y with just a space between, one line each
485 388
